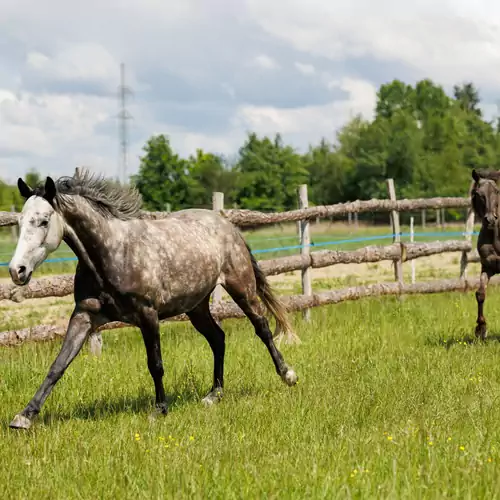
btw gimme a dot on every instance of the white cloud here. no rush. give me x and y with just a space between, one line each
448 41
265 62
305 69
82 62
310 123
206 72
51 128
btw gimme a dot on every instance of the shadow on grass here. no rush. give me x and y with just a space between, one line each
103 408
142 404
466 339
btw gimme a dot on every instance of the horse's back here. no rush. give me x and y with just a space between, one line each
183 256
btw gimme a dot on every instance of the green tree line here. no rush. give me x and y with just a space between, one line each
426 140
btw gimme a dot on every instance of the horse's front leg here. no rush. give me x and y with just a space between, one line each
150 329
80 326
481 297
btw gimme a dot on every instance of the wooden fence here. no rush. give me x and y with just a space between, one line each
397 252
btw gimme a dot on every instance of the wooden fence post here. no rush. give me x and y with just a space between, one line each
305 250
423 218
217 205
412 239
469 228
396 231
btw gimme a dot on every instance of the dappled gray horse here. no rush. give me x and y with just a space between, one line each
140 271
485 203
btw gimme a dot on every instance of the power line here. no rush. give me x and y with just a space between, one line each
123 116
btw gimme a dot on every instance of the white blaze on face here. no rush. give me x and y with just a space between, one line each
40 233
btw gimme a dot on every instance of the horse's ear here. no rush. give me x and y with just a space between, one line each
24 189
50 189
475 175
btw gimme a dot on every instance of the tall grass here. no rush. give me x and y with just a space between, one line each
393 401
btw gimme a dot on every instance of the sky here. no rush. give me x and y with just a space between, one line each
205 72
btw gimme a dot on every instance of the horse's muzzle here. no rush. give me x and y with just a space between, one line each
20 275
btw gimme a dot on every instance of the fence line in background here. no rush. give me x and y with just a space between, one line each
251 218
412 238
396 230
398 252
305 250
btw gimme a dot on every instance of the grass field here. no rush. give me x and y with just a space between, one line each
393 401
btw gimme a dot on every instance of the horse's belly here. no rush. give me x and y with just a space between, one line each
181 303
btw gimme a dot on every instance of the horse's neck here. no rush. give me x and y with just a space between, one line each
85 234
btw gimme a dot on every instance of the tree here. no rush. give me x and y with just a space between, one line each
33 178
268 174
394 96
209 173
163 177
331 166
467 97
292 171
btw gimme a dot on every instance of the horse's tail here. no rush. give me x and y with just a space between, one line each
274 305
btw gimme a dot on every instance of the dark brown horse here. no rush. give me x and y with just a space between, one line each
140 271
485 203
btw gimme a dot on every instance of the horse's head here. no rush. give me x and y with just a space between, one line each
485 196
41 230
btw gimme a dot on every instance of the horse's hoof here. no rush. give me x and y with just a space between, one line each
20 422
162 409
290 378
212 397
481 332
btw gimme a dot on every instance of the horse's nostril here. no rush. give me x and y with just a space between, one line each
21 270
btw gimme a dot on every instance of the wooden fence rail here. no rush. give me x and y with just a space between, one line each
251 218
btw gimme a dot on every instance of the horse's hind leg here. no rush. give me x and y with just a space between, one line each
203 321
246 297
